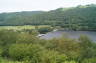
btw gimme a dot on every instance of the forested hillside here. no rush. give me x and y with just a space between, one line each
74 18
17 18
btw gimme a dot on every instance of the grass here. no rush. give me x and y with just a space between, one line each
21 27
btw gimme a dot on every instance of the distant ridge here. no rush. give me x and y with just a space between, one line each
77 18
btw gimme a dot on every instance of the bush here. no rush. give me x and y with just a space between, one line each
1 52
25 51
26 38
72 61
44 30
87 49
91 60
34 53
53 57
6 39
67 46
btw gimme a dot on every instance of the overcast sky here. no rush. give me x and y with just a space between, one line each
45 5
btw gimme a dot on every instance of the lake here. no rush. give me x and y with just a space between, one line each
70 34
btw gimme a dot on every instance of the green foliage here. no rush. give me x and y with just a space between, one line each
25 51
6 39
2 60
26 38
6 36
25 47
86 46
35 53
53 57
70 47
91 60
45 29
74 18
1 52
70 61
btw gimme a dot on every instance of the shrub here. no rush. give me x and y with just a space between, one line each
35 53
25 51
45 29
1 51
91 60
87 49
72 61
6 39
67 46
26 38
53 57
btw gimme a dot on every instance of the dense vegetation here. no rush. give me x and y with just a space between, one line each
26 47
20 44
74 18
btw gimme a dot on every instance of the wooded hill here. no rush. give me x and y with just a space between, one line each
75 18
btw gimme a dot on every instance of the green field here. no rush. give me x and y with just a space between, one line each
22 27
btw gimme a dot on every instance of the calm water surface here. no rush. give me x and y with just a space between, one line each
70 34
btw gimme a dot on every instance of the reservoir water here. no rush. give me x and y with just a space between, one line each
70 34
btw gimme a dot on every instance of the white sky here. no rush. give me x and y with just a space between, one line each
45 5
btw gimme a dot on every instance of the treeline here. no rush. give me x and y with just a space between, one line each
26 47
74 18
